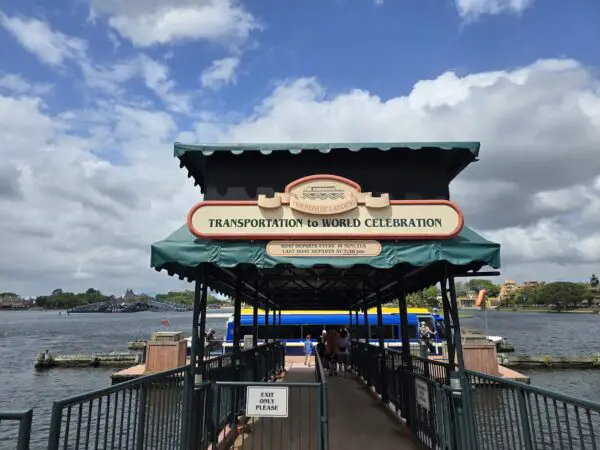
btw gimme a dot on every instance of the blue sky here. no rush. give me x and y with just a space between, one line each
383 48
94 92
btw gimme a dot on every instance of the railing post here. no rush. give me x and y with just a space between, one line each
525 419
24 430
186 424
55 424
141 425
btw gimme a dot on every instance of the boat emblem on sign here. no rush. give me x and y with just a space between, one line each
323 195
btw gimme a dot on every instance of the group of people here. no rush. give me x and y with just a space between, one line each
333 347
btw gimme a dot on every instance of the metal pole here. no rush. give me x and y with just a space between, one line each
447 323
255 321
279 326
196 325
382 374
366 324
467 399
266 333
356 320
202 330
237 312
406 358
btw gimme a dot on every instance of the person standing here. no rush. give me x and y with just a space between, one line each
343 351
331 343
308 349
425 335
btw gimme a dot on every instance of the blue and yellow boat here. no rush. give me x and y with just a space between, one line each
296 325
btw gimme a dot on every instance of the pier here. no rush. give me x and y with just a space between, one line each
258 398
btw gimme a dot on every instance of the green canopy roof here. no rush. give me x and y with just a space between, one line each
457 155
181 253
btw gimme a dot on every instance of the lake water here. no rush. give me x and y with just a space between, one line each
25 333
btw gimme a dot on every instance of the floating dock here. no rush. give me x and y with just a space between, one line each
48 361
550 361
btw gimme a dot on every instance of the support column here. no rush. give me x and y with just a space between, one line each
255 321
199 327
237 312
279 324
447 322
407 368
356 325
366 324
381 353
461 390
266 333
193 400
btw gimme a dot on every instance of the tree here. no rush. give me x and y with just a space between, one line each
476 285
563 294
462 288
424 298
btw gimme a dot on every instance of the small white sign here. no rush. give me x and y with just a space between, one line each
422 392
267 401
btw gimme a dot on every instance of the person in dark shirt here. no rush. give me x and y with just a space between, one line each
321 349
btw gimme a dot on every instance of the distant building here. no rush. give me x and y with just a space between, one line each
507 289
530 284
14 302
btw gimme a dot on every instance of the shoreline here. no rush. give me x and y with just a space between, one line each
550 310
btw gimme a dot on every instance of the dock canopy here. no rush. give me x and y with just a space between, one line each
321 282
455 156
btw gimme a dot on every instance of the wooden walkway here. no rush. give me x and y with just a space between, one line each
357 419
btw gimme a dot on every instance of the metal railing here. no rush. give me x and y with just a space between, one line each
390 379
23 431
322 379
162 411
514 415
254 364
145 413
497 414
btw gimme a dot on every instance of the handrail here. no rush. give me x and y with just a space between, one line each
24 417
536 390
319 369
120 386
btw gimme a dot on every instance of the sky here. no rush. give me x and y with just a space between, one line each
93 93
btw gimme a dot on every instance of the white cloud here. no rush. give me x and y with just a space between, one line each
539 162
54 48
16 83
36 36
472 9
145 23
220 73
95 188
